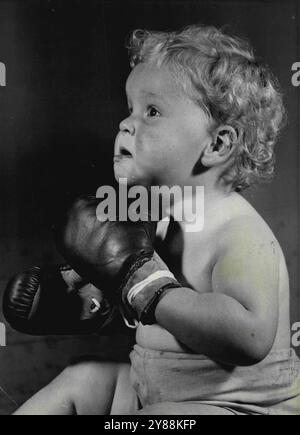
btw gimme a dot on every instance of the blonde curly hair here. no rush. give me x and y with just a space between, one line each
220 72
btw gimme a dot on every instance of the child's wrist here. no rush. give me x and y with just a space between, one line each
146 286
148 316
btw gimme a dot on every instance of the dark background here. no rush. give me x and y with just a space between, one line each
66 70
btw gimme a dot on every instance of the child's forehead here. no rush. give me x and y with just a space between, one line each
151 81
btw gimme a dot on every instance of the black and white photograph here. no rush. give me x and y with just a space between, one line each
150 210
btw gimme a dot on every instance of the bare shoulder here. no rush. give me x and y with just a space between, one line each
244 227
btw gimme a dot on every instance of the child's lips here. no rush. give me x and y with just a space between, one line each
120 157
123 153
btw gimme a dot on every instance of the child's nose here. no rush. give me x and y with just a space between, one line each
127 126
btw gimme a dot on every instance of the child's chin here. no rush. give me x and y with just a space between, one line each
121 171
130 179
121 175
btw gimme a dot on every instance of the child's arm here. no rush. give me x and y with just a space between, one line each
237 322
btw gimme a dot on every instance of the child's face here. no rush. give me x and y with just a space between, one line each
162 139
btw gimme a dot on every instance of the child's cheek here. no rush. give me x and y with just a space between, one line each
158 151
148 148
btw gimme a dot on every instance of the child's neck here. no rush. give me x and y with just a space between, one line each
214 189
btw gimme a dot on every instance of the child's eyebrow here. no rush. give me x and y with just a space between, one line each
145 93
159 97
153 94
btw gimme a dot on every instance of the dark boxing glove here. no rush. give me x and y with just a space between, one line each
55 300
118 257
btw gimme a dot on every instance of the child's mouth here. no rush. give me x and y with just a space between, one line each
124 153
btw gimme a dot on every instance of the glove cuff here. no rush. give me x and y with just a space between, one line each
146 285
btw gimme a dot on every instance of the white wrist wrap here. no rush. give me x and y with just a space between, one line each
136 289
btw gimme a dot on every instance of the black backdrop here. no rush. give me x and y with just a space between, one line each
59 113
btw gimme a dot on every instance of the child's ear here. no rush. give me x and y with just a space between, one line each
222 146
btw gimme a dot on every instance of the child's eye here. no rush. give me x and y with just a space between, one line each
152 112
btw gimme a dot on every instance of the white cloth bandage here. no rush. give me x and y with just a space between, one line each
135 290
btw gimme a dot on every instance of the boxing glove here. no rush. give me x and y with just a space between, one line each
118 257
55 300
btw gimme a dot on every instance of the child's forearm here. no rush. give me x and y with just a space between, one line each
214 325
